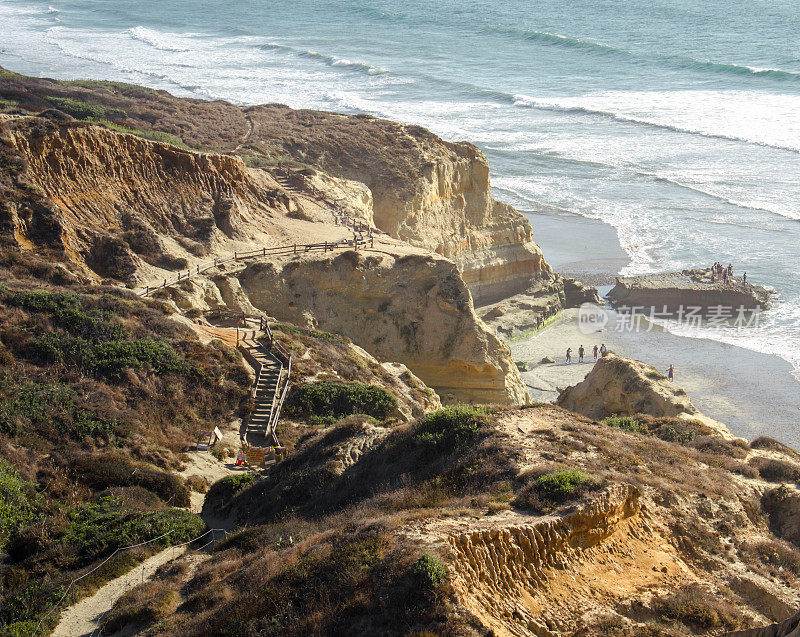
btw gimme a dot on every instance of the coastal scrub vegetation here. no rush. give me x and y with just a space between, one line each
85 110
542 492
100 391
152 135
339 399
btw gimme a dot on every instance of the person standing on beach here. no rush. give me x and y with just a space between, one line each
581 352
603 349
671 372
569 354
594 351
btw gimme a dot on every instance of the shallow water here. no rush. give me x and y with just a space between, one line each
677 123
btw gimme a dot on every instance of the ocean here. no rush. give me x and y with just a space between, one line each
676 123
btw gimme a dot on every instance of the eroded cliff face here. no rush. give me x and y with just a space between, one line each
520 579
426 191
406 305
114 201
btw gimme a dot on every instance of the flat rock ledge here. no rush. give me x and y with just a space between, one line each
687 289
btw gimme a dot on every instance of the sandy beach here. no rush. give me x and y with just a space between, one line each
754 394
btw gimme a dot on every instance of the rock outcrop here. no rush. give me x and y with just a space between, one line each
426 191
625 387
687 290
116 202
523 313
517 579
412 304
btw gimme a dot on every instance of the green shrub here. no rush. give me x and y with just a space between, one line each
229 486
627 423
18 500
34 405
42 301
104 470
99 528
323 421
339 399
109 359
551 489
152 135
562 485
109 85
92 340
449 428
429 571
84 110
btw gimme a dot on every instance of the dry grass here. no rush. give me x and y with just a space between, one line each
83 436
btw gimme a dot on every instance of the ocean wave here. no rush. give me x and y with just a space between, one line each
738 204
156 39
742 69
731 68
571 42
329 60
51 9
523 101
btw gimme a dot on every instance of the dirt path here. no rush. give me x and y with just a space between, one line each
83 618
247 135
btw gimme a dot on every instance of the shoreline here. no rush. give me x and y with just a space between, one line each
750 392
753 393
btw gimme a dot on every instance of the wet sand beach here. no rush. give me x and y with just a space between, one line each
753 393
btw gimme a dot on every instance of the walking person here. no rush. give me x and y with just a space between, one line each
581 352
595 351
603 349
671 373
569 355
744 278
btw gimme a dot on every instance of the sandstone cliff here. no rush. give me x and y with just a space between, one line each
405 305
116 205
424 190
115 202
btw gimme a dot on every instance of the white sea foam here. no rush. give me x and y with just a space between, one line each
762 119
159 39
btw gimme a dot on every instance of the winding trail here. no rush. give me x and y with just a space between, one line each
84 617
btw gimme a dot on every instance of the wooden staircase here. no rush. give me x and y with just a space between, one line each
272 364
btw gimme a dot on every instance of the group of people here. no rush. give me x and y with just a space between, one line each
721 273
597 352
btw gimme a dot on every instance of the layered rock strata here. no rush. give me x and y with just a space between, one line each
520 579
682 291
409 306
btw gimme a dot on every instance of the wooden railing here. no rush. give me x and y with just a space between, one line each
286 359
298 248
